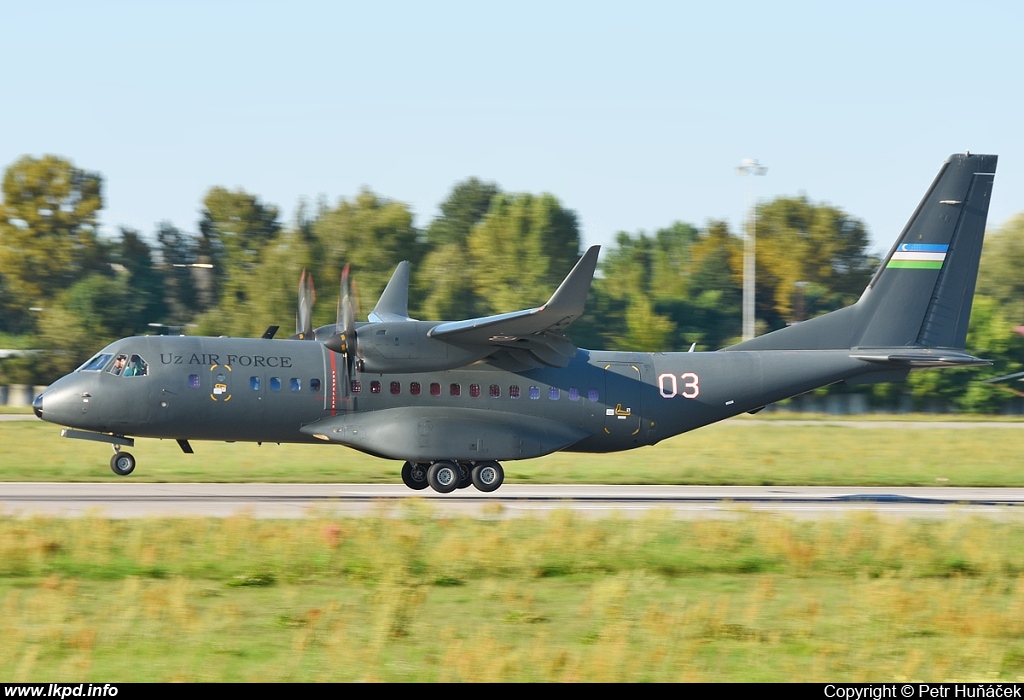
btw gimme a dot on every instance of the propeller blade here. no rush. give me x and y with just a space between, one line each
344 339
346 307
304 316
350 328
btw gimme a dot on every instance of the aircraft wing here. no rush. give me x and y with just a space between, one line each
423 434
531 333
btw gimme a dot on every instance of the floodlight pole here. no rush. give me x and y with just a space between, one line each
749 166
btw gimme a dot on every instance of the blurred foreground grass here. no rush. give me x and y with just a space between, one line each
739 451
563 598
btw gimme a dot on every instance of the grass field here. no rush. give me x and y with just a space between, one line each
740 451
422 597
563 598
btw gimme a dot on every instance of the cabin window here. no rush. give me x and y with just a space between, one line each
455 389
592 395
513 391
574 394
356 386
95 364
414 388
435 389
375 387
396 388
534 392
193 381
495 391
554 394
314 385
275 384
474 390
254 383
295 384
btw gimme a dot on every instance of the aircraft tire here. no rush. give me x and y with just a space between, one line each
122 463
467 474
444 476
414 475
488 476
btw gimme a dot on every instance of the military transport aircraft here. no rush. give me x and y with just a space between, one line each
452 399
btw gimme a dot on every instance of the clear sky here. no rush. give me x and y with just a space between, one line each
634 114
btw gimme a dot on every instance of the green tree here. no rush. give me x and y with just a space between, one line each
990 336
178 253
645 275
466 206
371 234
521 250
715 287
235 227
274 288
48 233
815 244
1002 263
664 291
445 289
94 312
132 257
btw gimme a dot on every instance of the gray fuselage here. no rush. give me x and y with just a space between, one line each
240 389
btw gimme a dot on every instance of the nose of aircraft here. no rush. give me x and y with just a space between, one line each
61 402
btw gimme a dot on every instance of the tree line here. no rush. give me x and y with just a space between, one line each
68 290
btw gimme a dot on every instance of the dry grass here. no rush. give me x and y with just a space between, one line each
757 598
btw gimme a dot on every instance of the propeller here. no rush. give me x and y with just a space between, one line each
304 316
344 339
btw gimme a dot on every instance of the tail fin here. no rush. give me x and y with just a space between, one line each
921 295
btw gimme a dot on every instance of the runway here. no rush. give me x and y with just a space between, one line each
127 500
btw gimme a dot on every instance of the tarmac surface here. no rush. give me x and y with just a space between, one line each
128 500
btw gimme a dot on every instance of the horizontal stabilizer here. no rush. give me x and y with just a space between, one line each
918 357
1005 378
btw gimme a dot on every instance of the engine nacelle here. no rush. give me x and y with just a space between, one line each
404 346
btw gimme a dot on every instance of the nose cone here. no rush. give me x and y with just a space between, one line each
62 402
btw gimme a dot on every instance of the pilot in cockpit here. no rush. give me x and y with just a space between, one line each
136 367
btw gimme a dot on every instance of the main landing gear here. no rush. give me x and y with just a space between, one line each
445 476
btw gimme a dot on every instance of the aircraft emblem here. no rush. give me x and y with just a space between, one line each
220 387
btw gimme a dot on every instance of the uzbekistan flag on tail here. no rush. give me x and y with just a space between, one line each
920 256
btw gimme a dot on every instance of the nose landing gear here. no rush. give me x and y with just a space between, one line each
122 463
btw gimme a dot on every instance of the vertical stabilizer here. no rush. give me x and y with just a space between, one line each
921 295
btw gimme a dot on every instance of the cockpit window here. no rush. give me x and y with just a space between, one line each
118 367
136 367
97 363
125 366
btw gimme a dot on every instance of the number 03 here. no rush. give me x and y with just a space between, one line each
668 384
